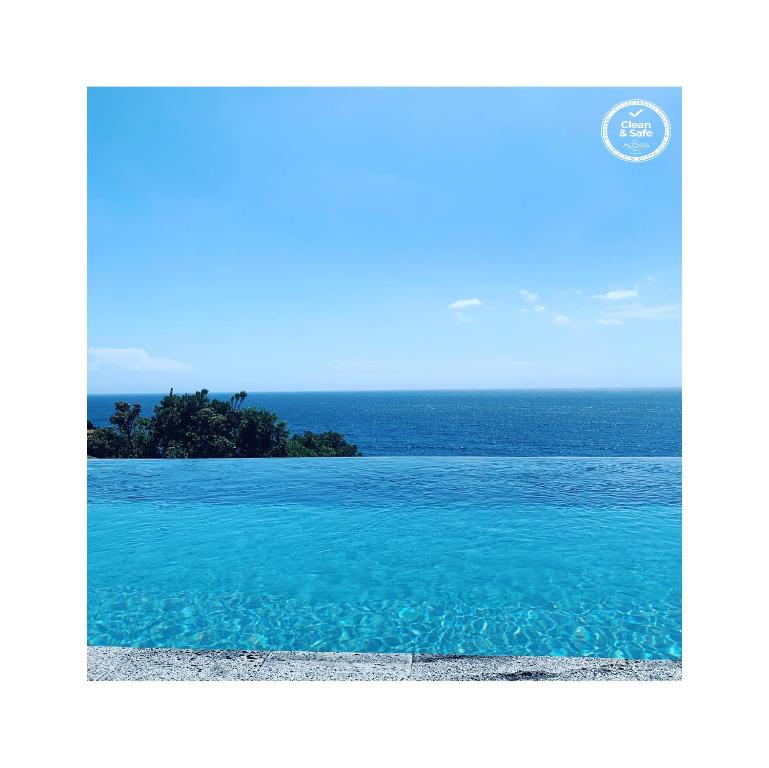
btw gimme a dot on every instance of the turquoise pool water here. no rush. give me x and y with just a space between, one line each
536 556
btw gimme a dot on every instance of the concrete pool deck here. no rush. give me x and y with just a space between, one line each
113 663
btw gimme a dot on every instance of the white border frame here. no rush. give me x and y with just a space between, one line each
50 52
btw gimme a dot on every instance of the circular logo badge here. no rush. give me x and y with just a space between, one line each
636 131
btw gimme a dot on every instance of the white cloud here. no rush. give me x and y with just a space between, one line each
465 303
561 319
129 359
619 294
528 295
539 308
609 321
641 312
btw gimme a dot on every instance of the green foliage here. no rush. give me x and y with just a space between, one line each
324 444
194 426
102 443
130 437
261 434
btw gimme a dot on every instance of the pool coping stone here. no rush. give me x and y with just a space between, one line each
111 663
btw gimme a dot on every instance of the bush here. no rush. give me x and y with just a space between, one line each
196 426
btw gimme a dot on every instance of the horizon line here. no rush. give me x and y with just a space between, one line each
376 391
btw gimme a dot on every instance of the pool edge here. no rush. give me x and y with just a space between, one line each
111 663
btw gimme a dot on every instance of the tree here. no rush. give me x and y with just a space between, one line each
125 418
261 434
237 399
102 443
128 438
323 444
197 426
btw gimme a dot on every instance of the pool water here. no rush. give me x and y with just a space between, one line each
524 556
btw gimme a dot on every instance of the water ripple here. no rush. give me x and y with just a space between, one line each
429 555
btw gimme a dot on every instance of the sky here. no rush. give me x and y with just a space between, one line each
373 239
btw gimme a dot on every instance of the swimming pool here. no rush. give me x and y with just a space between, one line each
540 556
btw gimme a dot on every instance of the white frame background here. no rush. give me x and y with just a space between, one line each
51 51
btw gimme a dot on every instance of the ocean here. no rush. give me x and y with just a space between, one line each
644 422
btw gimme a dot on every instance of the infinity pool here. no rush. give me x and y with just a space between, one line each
578 557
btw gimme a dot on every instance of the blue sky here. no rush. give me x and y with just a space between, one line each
344 239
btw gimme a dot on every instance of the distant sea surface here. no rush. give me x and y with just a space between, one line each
472 423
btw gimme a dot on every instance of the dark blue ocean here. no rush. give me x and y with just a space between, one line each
473 423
